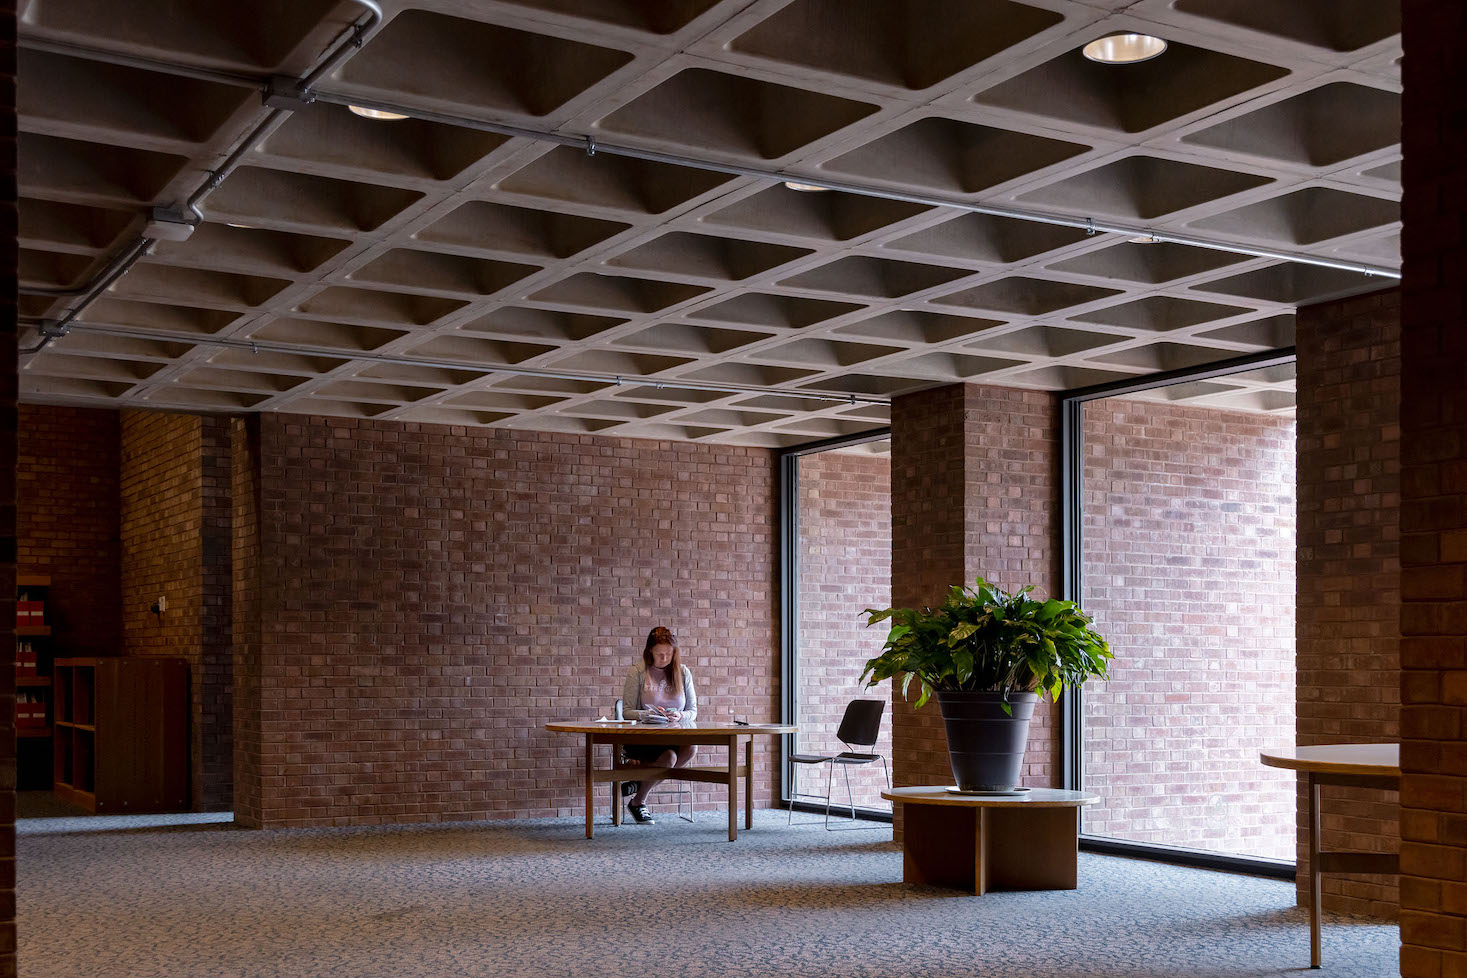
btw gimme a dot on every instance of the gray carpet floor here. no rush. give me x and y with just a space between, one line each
125 897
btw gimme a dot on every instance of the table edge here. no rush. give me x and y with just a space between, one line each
978 801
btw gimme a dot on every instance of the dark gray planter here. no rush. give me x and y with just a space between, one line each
985 744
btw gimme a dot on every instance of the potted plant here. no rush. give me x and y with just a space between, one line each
989 656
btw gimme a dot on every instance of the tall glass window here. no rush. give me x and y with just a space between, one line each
1188 517
843 566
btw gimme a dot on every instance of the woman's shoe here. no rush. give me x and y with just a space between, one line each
640 813
629 788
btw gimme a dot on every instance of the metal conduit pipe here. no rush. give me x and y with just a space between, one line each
114 270
592 146
345 46
350 41
1090 225
620 380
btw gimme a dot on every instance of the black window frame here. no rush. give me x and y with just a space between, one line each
1072 486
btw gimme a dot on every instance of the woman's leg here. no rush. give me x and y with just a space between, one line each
668 758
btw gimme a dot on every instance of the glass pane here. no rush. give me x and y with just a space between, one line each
844 567
1189 518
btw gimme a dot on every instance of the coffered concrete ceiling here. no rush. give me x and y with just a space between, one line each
341 239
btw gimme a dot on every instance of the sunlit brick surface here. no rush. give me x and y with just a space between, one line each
1189 572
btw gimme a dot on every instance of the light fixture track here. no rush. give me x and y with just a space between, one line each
595 145
1089 225
617 380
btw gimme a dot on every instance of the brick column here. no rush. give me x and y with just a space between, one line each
9 386
1348 588
974 491
1434 494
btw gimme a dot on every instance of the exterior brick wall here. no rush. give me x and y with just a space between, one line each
845 567
974 490
9 388
66 474
429 597
1189 572
1434 495
174 528
1349 572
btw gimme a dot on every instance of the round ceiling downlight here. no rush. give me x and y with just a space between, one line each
1124 49
378 114
804 188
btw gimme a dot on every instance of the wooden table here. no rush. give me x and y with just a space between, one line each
687 732
1028 841
1354 765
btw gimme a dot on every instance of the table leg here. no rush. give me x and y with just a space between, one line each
590 783
1316 892
615 802
733 788
749 783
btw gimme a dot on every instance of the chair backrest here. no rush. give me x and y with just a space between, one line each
862 723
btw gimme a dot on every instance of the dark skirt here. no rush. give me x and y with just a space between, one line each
646 753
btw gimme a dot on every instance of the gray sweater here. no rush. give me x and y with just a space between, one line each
636 682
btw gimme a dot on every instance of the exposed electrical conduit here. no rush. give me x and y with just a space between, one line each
592 145
620 380
355 36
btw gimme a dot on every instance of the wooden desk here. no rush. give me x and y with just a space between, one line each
694 732
1354 765
1029 841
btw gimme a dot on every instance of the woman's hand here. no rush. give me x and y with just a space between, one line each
672 715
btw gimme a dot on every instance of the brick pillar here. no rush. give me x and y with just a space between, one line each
9 386
974 491
1434 493
245 621
1348 586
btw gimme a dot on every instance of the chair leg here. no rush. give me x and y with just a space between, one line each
794 791
829 781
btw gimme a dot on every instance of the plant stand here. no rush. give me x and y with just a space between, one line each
980 843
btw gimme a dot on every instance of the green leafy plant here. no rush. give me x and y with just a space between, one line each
983 638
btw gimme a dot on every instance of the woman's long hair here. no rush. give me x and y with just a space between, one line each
664 636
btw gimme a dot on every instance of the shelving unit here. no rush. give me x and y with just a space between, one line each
32 748
121 734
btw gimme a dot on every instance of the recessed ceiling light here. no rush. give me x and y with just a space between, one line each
804 188
377 114
1144 239
1124 49
247 227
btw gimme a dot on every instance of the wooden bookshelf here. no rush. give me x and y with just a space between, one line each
120 740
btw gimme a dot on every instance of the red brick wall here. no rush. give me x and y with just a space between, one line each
974 490
245 543
1434 495
8 399
175 526
66 475
845 567
1189 572
431 596
1349 572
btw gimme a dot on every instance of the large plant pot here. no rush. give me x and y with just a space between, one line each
985 744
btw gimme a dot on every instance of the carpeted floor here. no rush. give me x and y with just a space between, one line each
116 898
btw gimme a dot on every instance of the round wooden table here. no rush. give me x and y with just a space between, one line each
1354 765
1024 841
714 732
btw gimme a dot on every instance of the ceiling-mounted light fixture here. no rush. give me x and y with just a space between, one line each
1144 239
804 188
1124 49
377 114
242 227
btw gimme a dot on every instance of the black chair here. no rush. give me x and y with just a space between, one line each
860 727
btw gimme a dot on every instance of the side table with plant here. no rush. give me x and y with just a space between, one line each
989 656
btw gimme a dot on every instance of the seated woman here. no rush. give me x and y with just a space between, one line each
659 684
